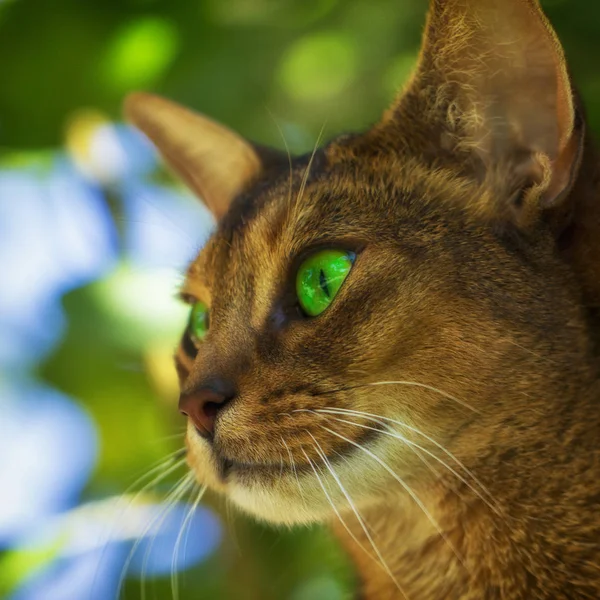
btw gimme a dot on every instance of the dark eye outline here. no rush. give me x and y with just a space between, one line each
187 345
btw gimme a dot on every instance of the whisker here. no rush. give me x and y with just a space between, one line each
532 352
306 174
125 568
202 491
425 436
406 487
406 383
177 460
289 156
164 464
160 477
347 461
282 465
433 470
187 483
330 468
184 526
414 446
427 387
293 463
334 507
232 529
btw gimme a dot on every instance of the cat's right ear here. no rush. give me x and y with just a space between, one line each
213 161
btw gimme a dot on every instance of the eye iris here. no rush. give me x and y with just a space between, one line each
320 278
199 321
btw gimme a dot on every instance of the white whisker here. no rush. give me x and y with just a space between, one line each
186 521
156 478
427 387
306 174
125 568
532 352
414 446
381 561
293 463
157 521
425 436
282 465
406 487
334 507
289 157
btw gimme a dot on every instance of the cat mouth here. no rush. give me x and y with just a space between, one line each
228 468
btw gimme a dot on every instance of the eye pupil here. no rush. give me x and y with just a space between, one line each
323 283
320 278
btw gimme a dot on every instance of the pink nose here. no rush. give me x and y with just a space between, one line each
202 406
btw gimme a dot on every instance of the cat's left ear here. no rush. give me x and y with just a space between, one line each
492 86
213 161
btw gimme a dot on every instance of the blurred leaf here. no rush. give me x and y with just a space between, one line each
139 54
17 565
319 66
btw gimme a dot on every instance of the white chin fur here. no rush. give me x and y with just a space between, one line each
280 502
277 508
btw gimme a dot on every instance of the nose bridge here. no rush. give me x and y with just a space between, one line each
224 357
226 354
244 296
212 383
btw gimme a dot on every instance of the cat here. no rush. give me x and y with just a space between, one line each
398 333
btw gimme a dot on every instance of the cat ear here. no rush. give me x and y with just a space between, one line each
212 160
492 87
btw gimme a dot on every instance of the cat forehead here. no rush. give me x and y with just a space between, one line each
336 198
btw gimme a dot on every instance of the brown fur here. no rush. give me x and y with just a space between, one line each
478 257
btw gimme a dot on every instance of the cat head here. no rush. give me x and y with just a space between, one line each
395 292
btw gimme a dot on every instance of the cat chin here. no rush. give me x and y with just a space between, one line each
277 503
277 507
279 500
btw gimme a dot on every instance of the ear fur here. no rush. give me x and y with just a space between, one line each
492 88
212 160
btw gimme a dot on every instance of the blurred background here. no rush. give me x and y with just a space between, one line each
94 235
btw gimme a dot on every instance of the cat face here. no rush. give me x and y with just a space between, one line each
419 344
306 393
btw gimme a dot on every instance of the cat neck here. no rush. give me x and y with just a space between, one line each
523 522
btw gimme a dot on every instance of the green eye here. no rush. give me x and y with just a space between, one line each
320 278
198 324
